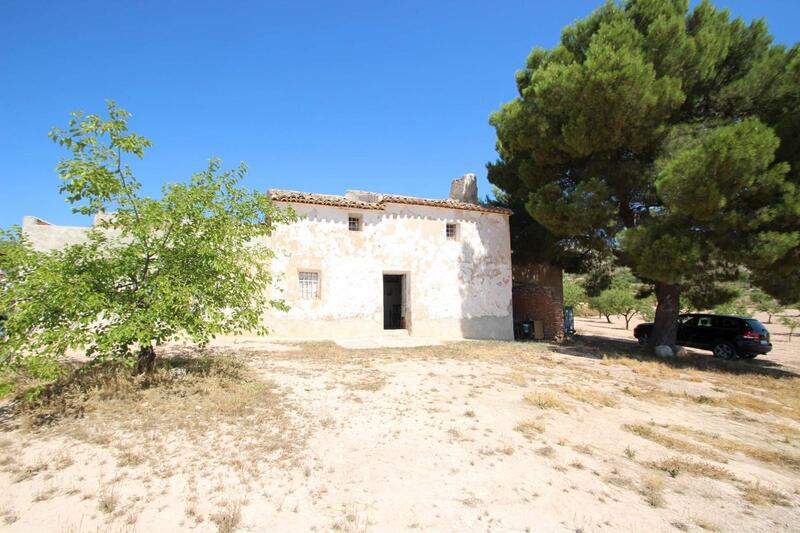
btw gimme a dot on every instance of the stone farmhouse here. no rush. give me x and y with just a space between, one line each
367 264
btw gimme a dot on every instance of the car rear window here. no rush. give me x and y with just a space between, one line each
754 324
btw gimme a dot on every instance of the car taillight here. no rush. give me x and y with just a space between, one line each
751 335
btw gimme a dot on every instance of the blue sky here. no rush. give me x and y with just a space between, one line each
316 96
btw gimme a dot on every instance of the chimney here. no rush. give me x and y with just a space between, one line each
465 189
362 196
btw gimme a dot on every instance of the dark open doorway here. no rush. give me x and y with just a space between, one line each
393 310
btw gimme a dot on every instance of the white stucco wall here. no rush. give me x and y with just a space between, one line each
46 237
456 288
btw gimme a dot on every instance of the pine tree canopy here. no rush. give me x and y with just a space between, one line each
665 138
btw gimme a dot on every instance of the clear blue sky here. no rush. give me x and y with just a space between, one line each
317 96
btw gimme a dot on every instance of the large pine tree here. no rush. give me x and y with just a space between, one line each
666 140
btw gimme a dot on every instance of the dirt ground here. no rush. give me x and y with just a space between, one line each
785 351
472 436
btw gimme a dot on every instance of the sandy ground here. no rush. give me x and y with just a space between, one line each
474 436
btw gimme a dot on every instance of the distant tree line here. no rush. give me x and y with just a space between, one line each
621 294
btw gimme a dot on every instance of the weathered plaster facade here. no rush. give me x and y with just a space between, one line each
46 237
456 286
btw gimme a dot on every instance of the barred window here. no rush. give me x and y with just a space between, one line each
451 231
309 285
354 222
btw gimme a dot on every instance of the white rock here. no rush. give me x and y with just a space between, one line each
680 351
663 351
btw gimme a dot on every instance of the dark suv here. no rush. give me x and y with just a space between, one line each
727 336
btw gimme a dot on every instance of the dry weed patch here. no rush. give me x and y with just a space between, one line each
590 396
652 490
228 517
675 466
545 400
759 494
530 428
706 524
669 441
198 412
766 454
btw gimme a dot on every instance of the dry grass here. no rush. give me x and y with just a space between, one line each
590 396
372 381
198 402
676 465
759 494
652 490
546 451
9 515
221 422
673 443
706 524
356 521
108 500
766 454
546 400
755 493
517 378
229 516
129 458
530 428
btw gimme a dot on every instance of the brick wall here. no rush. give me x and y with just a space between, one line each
537 293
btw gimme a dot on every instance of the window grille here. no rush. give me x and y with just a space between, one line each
354 223
451 231
309 285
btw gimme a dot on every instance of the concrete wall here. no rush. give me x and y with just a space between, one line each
455 288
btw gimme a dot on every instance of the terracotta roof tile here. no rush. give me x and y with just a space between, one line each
450 204
280 195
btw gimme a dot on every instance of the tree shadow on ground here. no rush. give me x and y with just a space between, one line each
598 347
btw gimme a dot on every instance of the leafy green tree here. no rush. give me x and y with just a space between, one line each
653 136
188 265
765 303
612 302
621 298
574 293
792 323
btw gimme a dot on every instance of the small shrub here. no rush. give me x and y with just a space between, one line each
529 428
653 491
545 400
227 519
108 500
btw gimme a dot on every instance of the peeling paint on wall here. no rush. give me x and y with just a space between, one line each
456 288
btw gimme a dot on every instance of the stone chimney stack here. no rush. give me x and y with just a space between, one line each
465 189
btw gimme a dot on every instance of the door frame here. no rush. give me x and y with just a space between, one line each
405 299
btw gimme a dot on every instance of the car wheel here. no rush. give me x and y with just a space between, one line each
642 339
724 350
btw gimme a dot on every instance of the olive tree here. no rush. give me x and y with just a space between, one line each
191 264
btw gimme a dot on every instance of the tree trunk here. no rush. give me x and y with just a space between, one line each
665 326
147 359
608 319
627 320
